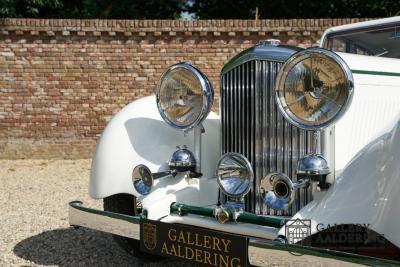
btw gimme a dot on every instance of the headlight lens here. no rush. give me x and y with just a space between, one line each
235 175
314 88
184 96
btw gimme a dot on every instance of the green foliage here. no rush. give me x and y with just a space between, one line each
112 9
222 9
202 9
7 8
214 9
138 9
27 8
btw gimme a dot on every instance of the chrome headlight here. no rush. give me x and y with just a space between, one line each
184 96
314 88
234 174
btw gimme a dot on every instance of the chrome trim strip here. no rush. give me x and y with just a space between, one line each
105 221
245 229
258 133
235 111
253 124
261 52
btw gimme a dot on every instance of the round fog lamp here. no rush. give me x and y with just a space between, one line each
142 179
184 96
314 88
234 175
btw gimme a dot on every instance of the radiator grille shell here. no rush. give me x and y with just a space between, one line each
253 126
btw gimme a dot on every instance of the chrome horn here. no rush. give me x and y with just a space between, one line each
143 179
282 191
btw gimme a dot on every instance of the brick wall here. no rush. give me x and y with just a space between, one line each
62 80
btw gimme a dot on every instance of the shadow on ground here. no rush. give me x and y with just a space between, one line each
78 247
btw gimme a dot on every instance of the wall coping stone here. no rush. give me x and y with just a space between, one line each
43 26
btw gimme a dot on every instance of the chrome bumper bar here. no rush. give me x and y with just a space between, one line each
258 249
105 221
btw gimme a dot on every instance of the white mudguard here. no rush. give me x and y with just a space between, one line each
138 135
366 193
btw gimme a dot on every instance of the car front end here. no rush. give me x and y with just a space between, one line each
217 189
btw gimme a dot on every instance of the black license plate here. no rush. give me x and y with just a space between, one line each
193 244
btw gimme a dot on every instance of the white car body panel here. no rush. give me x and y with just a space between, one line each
376 102
367 191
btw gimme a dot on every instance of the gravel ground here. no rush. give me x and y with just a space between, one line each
34 220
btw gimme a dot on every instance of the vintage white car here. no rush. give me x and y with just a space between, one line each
304 156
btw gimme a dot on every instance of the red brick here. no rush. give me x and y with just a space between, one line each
61 86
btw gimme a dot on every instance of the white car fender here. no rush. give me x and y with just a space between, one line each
138 135
367 192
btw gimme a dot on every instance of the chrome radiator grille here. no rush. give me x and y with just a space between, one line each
252 126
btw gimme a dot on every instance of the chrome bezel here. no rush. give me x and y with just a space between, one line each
281 78
249 167
208 95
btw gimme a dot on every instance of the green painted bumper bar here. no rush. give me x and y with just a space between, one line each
244 217
321 252
259 249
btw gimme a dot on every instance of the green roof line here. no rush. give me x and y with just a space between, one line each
370 72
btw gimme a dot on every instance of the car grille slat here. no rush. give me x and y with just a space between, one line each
253 126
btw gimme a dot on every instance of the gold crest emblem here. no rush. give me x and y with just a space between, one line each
150 235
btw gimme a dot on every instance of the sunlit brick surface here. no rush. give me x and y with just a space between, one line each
62 80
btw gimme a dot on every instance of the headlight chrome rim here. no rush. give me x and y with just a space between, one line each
207 97
249 168
289 65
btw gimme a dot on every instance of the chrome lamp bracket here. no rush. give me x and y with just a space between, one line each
314 167
181 161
